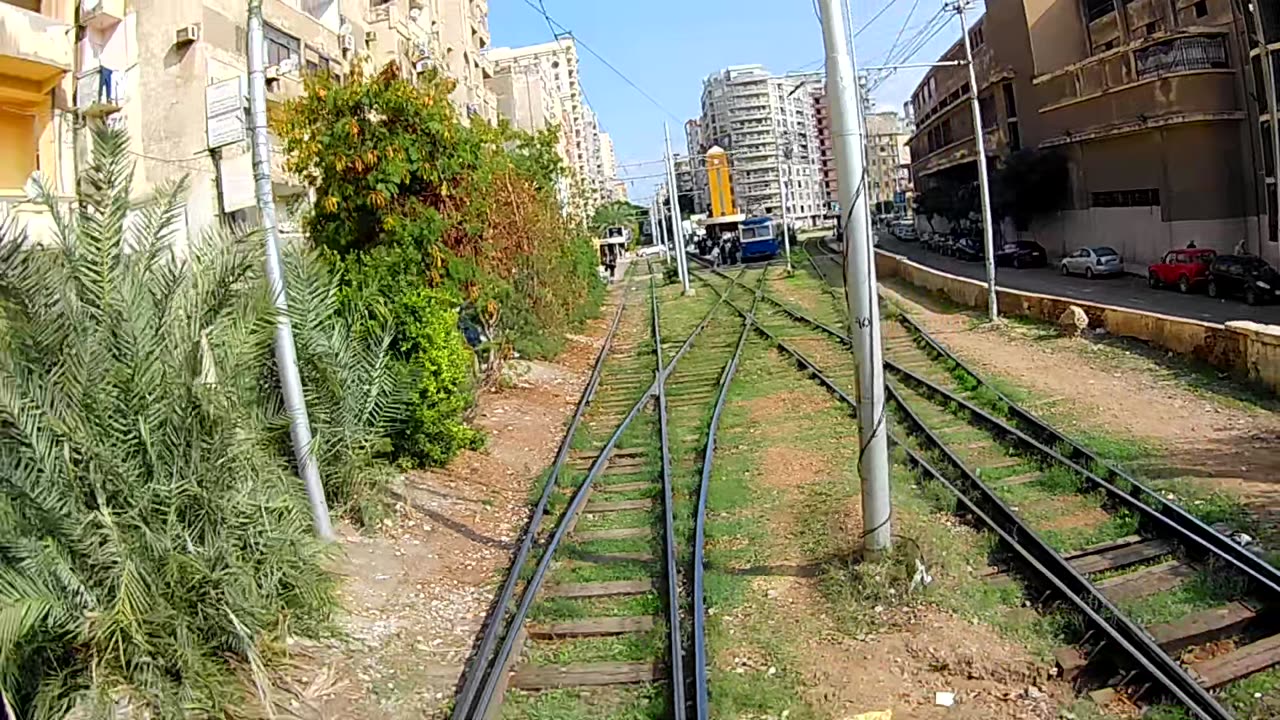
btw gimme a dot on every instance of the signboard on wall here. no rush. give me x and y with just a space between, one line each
224 112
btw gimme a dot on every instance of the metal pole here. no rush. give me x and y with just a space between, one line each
782 196
677 232
984 184
1269 79
286 358
860 281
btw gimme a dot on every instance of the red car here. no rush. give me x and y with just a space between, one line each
1186 269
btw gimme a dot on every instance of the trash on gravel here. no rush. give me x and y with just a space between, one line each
944 699
874 715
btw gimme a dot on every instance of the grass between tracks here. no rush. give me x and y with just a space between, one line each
1254 698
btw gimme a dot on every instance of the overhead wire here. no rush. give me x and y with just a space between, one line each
553 23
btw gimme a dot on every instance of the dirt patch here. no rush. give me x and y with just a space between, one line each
925 652
787 467
1214 444
415 592
767 410
1078 519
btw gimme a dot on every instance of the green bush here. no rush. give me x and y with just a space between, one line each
437 355
153 539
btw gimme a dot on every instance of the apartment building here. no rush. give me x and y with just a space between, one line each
609 170
767 125
464 38
1154 105
559 61
37 97
697 150
888 160
406 34
829 182
527 95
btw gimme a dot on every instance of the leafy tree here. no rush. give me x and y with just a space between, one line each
154 541
439 219
1030 182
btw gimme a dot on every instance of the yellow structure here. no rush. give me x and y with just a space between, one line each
719 183
36 48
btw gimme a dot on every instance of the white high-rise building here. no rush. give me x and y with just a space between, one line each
767 125
579 129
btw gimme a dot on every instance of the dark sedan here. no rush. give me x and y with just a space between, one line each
1020 254
1245 276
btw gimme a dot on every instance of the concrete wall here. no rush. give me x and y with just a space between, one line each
1249 349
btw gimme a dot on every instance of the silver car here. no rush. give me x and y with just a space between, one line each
1093 262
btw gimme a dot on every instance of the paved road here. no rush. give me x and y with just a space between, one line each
1125 291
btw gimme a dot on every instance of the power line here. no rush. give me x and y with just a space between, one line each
552 23
875 17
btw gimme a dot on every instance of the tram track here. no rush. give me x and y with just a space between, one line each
604 606
985 453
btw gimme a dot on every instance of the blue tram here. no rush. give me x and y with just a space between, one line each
759 241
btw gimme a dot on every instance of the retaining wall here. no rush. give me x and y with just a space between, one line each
1247 348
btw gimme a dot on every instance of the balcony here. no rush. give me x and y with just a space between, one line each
35 50
283 88
1184 78
31 217
101 14
100 92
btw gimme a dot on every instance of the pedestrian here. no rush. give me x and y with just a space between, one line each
715 256
1191 245
611 263
1242 247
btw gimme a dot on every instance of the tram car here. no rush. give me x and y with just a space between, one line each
759 239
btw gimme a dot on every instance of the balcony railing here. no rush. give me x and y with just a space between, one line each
35 47
1183 54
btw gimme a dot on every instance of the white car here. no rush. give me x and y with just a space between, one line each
1093 262
652 251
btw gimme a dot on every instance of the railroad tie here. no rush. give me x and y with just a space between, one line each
614 534
1202 627
1120 557
534 677
1148 581
621 487
619 506
610 588
1023 479
592 627
1243 661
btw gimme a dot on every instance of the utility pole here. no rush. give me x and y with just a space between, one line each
859 280
984 184
286 356
782 195
677 232
1269 79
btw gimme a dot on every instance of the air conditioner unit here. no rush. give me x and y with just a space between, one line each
370 37
348 42
187 34
421 49
271 72
422 65
289 66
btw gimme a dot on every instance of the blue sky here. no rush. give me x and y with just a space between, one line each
667 47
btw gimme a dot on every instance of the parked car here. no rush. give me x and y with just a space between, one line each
967 248
1093 262
904 230
1245 276
1185 269
1022 253
659 251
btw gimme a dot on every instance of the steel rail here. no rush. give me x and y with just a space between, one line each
493 678
679 705
1257 570
702 699
475 671
1050 566
1188 530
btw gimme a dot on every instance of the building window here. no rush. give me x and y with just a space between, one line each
976 38
1015 137
281 46
1147 197
1010 101
1095 9
1202 9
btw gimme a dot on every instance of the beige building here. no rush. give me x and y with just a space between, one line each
173 74
37 102
464 38
559 62
1154 104
888 158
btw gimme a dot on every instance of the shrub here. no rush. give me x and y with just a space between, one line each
152 536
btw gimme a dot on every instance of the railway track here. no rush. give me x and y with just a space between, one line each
1150 580
597 607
